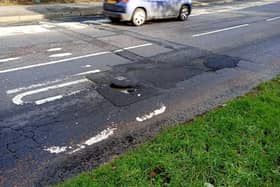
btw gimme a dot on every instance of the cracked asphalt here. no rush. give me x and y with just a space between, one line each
78 92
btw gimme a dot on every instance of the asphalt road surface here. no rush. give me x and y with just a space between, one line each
77 92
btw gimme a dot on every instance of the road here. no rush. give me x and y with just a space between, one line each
63 110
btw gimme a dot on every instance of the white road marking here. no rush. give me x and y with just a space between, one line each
221 30
54 49
53 62
49 99
18 98
86 66
138 46
60 55
118 50
98 138
9 59
103 135
66 60
56 149
145 117
16 90
88 72
273 19
17 30
54 98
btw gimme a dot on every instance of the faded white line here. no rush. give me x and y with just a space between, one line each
53 62
49 99
18 98
18 30
54 49
88 72
54 98
157 112
9 59
103 135
16 90
60 55
138 46
273 19
66 60
221 30
56 149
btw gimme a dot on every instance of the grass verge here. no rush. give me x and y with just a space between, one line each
235 145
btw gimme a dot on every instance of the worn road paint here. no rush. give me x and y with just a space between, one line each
159 111
273 19
56 149
86 66
54 98
95 139
220 30
88 72
54 49
60 55
9 59
98 138
18 98
66 60
18 30
138 46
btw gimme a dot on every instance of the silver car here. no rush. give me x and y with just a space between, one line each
138 11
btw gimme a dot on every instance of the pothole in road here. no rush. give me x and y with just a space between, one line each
217 62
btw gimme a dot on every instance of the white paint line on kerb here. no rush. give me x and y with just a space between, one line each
18 98
72 149
157 112
9 59
66 60
220 30
273 19
54 49
60 55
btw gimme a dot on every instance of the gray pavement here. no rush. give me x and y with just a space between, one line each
60 113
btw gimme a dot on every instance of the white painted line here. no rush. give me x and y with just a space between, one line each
60 55
16 90
9 59
138 46
18 30
220 30
54 98
49 99
53 62
98 138
118 50
88 72
18 98
273 19
66 60
145 117
54 49
56 149
86 66
93 140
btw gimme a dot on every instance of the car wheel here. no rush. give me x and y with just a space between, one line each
184 13
114 20
139 17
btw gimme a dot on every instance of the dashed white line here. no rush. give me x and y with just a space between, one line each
54 49
145 117
9 59
220 30
60 55
273 19
138 46
18 98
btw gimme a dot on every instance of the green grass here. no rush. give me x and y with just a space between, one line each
236 145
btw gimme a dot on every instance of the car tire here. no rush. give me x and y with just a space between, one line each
139 17
184 13
114 20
